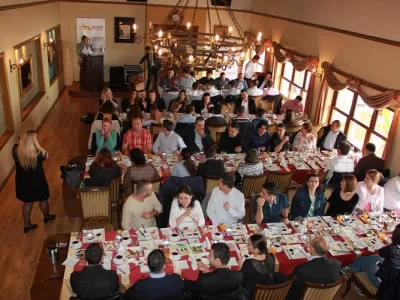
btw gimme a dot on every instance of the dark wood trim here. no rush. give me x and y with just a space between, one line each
32 104
5 137
17 6
27 41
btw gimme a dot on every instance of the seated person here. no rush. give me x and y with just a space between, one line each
231 93
140 170
188 117
166 81
304 139
371 195
290 118
106 137
154 118
158 285
107 111
205 105
261 115
368 162
104 167
241 115
217 119
210 88
94 282
221 82
251 166
319 269
210 166
107 96
280 139
230 141
392 194
208 78
271 206
253 91
240 82
137 137
260 269
185 210
197 140
340 165
257 138
308 201
168 141
127 103
186 81
141 207
152 101
265 79
248 103
344 199
197 93
294 105
226 205
178 105
271 91
185 167
331 136
220 281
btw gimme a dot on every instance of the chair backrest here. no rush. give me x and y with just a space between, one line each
95 203
252 184
282 180
213 131
271 129
266 104
155 183
257 99
276 292
314 291
292 129
290 192
116 191
231 108
211 182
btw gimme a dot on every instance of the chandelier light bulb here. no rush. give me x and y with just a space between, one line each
190 58
159 52
134 28
155 47
188 25
242 55
225 58
259 34
160 34
233 49
216 37
150 25
230 29
51 40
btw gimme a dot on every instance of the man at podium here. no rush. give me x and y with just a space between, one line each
83 48
153 66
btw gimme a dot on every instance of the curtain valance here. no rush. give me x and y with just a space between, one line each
308 62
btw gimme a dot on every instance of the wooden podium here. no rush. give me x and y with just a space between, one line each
92 73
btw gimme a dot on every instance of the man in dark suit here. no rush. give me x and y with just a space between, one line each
94 282
219 282
153 66
318 269
230 141
208 78
248 103
158 285
211 166
197 140
331 136
368 162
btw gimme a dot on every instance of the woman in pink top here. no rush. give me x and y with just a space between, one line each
370 193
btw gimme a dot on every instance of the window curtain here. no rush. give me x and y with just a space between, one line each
306 63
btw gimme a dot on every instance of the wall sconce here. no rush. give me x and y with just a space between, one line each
15 66
318 75
269 50
48 44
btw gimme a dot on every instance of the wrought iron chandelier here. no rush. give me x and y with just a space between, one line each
183 46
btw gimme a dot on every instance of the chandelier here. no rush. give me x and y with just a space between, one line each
181 45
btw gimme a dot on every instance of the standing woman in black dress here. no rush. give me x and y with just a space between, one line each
30 180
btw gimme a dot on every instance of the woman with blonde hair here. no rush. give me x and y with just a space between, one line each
106 137
30 180
107 96
370 193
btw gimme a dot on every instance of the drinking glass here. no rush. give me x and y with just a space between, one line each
346 217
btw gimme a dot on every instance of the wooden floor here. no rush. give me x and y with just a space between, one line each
19 251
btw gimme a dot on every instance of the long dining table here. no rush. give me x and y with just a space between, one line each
126 251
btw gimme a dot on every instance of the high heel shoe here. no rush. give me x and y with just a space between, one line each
48 218
30 227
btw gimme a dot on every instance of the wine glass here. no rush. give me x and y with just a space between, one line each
346 217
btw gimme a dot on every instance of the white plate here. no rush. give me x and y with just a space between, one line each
76 245
218 236
175 257
277 247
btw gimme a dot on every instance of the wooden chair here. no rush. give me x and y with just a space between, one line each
116 203
282 180
214 130
276 292
271 129
156 128
257 99
224 107
96 208
252 185
267 105
292 129
231 107
211 183
290 192
360 279
314 291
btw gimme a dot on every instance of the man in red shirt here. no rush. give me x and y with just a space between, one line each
137 137
295 105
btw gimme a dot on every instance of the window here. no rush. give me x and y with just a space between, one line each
361 123
294 83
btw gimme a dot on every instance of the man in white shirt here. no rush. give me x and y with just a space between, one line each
141 207
253 90
392 194
187 80
340 164
250 69
168 141
330 136
226 205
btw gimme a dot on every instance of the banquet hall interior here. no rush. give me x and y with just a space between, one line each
342 59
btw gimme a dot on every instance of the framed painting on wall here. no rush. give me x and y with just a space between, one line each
123 30
25 76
